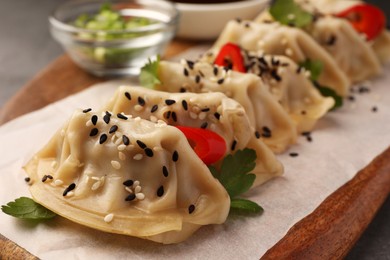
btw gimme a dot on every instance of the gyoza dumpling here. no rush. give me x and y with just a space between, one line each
352 53
291 87
265 114
127 176
275 39
213 111
380 44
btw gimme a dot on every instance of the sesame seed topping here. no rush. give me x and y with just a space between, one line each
126 140
140 196
233 147
127 95
217 115
121 116
257 134
191 208
87 110
204 125
107 118
108 218
58 182
103 138
332 40
202 115
128 183
174 116
96 185
68 189
141 101
185 105
165 171
170 102
27 179
154 109
160 191
182 90
137 189
113 129
130 197
294 154
94 119
186 73
138 157
122 156
94 132
141 144
220 81
175 156
215 71
197 79
148 152
190 64
374 109
116 165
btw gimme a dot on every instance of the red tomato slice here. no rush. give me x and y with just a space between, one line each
365 18
209 146
230 54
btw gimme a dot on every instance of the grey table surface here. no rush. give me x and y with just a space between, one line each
26 47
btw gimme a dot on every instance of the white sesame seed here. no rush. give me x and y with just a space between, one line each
213 79
291 16
95 178
140 196
116 165
137 189
157 148
193 115
113 137
213 127
129 190
136 183
289 52
153 119
62 133
118 141
137 119
118 134
108 218
308 73
121 147
202 115
54 164
96 185
58 182
138 157
122 156
70 194
307 100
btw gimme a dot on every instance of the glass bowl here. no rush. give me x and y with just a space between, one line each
115 52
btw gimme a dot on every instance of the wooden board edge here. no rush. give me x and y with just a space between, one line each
345 214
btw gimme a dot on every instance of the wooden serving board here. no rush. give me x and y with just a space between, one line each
329 232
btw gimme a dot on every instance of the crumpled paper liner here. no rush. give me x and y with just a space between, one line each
343 142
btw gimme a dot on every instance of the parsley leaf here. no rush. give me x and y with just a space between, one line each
245 206
235 176
314 66
287 12
149 74
26 208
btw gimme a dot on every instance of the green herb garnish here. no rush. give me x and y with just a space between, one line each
149 74
235 176
26 208
315 68
288 12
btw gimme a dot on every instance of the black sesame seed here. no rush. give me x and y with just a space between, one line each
49 177
331 40
306 133
69 188
94 119
183 90
87 110
303 112
294 154
201 73
165 171
27 179
257 134
309 138
160 191
197 79
184 104
299 69
205 109
275 75
266 129
263 61
351 98
185 71
174 116
127 94
170 102
128 183
141 144
121 116
215 71
141 101
191 208
267 134
148 152
233 147
126 140
175 156
238 20
217 115
94 132
154 109
220 81
44 178
168 114
247 25
107 117
113 129
190 64
204 125
374 109
131 197
103 138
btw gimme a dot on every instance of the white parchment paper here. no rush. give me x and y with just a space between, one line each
343 142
